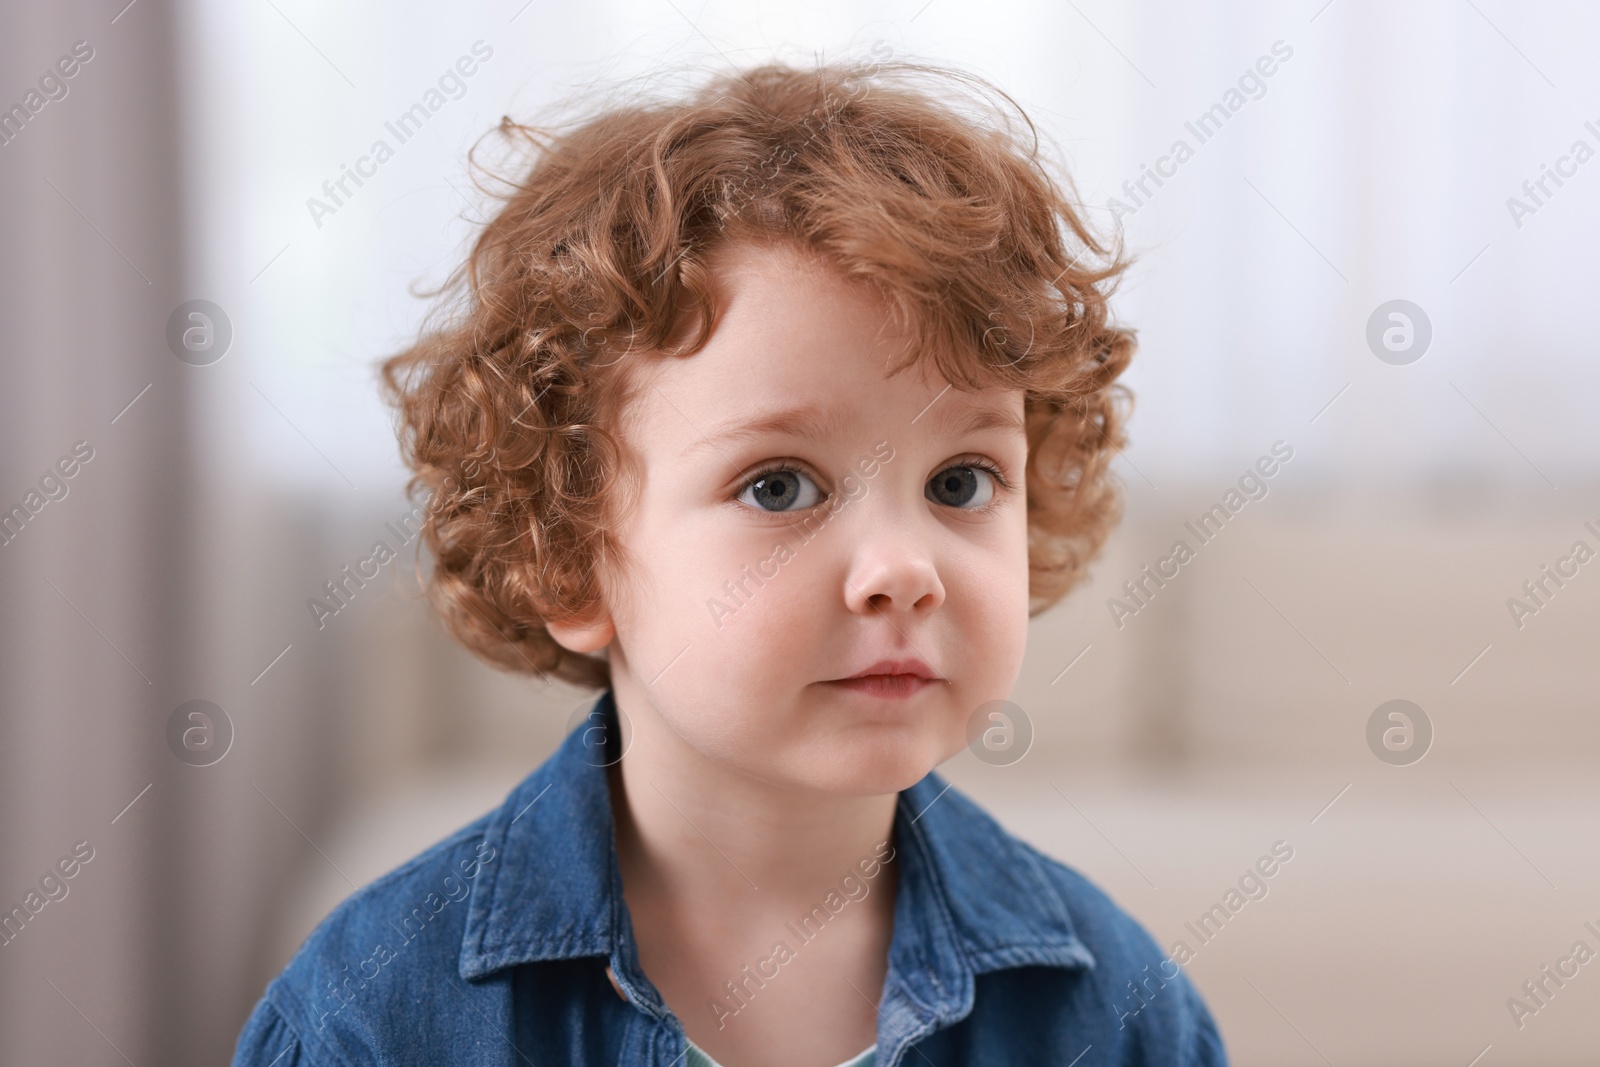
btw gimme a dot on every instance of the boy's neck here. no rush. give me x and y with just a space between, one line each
689 826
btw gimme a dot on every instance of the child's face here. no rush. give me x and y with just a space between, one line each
880 537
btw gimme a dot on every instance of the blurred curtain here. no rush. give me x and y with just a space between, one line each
94 584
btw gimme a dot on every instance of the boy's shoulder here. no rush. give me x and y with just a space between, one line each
409 965
1112 936
1134 990
384 952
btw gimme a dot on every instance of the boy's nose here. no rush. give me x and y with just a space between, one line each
891 572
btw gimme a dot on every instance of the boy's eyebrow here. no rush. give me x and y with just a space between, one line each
808 421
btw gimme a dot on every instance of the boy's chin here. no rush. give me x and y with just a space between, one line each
861 774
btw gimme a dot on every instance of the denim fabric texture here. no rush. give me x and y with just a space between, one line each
491 949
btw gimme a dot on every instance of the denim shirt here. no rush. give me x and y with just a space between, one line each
491 948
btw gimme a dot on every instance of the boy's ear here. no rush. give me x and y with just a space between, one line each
584 633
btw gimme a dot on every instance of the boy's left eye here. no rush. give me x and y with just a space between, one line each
961 486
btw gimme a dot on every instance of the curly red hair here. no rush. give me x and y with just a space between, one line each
600 252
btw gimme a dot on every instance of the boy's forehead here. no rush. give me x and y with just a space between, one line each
783 290
784 318
698 403
798 349
823 424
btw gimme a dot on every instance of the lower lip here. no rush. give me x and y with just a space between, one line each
888 686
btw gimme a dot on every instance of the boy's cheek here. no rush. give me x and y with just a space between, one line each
993 620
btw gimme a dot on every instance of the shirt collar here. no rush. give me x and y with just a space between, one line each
971 897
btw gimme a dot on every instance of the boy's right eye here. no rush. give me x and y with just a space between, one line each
781 489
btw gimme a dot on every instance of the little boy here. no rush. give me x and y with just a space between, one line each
773 413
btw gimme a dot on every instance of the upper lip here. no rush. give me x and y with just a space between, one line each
896 666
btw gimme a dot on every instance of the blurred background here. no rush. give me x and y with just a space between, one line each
1436 154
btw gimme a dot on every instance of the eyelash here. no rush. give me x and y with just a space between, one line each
976 462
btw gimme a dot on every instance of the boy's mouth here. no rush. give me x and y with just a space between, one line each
885 685
890 678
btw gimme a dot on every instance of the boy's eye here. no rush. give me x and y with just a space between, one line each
961 487
781 490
